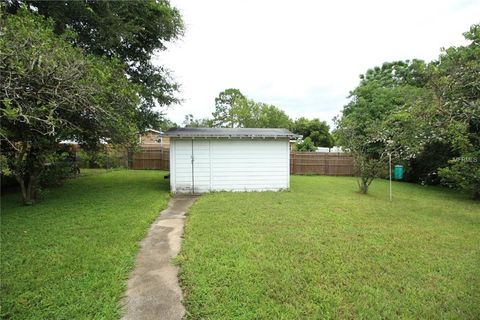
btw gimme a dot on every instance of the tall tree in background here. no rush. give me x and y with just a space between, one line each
227 100
191 122
128 31
270 116
234 110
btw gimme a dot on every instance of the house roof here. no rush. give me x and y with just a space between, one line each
230 133
152 130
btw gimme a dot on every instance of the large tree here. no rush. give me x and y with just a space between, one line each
52 91
226 103
129 31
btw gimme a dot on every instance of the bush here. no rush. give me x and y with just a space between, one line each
106 159
306 145
424 168
60 168
464 173
54 174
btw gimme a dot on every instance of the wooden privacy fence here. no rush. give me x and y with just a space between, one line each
328 164
150 158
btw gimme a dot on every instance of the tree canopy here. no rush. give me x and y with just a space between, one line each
234 110
131 32
318 131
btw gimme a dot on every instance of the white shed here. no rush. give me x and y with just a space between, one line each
237 159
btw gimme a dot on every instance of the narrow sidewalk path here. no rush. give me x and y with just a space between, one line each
153 291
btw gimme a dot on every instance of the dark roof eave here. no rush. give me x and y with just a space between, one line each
295 136
247 133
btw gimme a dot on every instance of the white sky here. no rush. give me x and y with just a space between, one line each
302 56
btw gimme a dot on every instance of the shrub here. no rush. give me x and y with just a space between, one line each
106 159
464 173
57 170
306 145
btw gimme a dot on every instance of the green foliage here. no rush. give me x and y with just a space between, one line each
456 113
102 158
364 142
4 167
69 256
318 131
51 91
269 116
129 31
57 170
464 173
414 108
234 110
306 145
322 251
369 127
223 116
166 124
191 122
424 167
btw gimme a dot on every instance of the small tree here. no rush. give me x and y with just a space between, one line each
378 121
364 142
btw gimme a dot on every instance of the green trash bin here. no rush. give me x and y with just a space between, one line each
398 172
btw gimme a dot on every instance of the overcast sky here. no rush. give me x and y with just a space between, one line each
302 56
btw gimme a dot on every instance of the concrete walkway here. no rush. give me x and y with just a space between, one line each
153 291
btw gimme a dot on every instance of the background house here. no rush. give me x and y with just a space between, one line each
153 138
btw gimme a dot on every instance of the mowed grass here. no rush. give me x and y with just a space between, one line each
323 251
69 256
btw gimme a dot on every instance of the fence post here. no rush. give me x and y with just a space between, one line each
327 169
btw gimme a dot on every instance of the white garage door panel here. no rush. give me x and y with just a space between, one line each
201 165
249 165
181 177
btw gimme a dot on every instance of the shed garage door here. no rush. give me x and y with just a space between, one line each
229 165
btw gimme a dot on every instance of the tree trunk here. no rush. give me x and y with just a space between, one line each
363 185
29 190
476 195
32 188
363 188
21 182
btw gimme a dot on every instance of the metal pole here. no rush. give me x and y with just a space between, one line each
390 173
193 172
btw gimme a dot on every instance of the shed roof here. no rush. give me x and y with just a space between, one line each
231 133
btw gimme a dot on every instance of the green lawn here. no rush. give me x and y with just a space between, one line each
324 251
68 257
